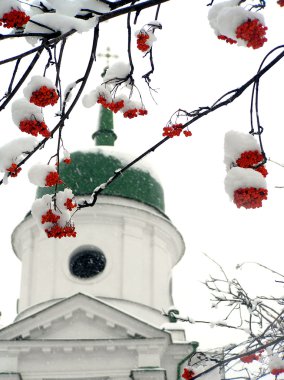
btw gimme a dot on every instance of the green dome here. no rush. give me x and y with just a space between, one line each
90 169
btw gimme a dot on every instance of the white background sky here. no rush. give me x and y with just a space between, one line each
193 69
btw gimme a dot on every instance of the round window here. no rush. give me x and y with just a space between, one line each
87 261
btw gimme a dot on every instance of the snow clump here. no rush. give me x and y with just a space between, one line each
235 144
7 5
15 151
235 24
239 178
35 83
38 173
22 109
91 99
117 72
56 22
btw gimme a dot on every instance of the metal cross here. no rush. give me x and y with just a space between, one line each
107 55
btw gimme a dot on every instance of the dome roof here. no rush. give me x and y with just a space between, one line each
92 168
89 169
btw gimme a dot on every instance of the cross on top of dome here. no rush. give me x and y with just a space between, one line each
105 135
108 55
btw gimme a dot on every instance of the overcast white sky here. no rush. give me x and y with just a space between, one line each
193 69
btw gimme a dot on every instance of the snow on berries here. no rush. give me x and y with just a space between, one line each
13 152
102 95
52 216
246 187
116 73
65 200
243 150
107 94
43 175
41 91
245 182
133 109
145 36
66 157
250 358
29 118
12 15
276 365
237 25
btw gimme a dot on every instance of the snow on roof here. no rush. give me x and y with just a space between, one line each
144 165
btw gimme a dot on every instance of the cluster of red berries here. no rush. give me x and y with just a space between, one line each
59 232
14 19
69 204
250 197
67 161
188 374
44 96
277 371
253 32
175 130
34 127
142 38
53 179
281 3
117 106
134 112
249 159
49 217
14 170
112 106
250 358
227 39
56 231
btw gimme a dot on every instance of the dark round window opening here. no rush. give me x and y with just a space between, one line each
87 261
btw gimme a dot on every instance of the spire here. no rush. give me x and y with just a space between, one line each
105 134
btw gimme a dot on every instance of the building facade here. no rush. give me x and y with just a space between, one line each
91 308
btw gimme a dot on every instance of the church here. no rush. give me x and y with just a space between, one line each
91 308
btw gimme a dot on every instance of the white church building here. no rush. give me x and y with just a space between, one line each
90 307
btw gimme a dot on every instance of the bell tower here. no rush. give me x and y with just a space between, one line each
90 307
125 247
